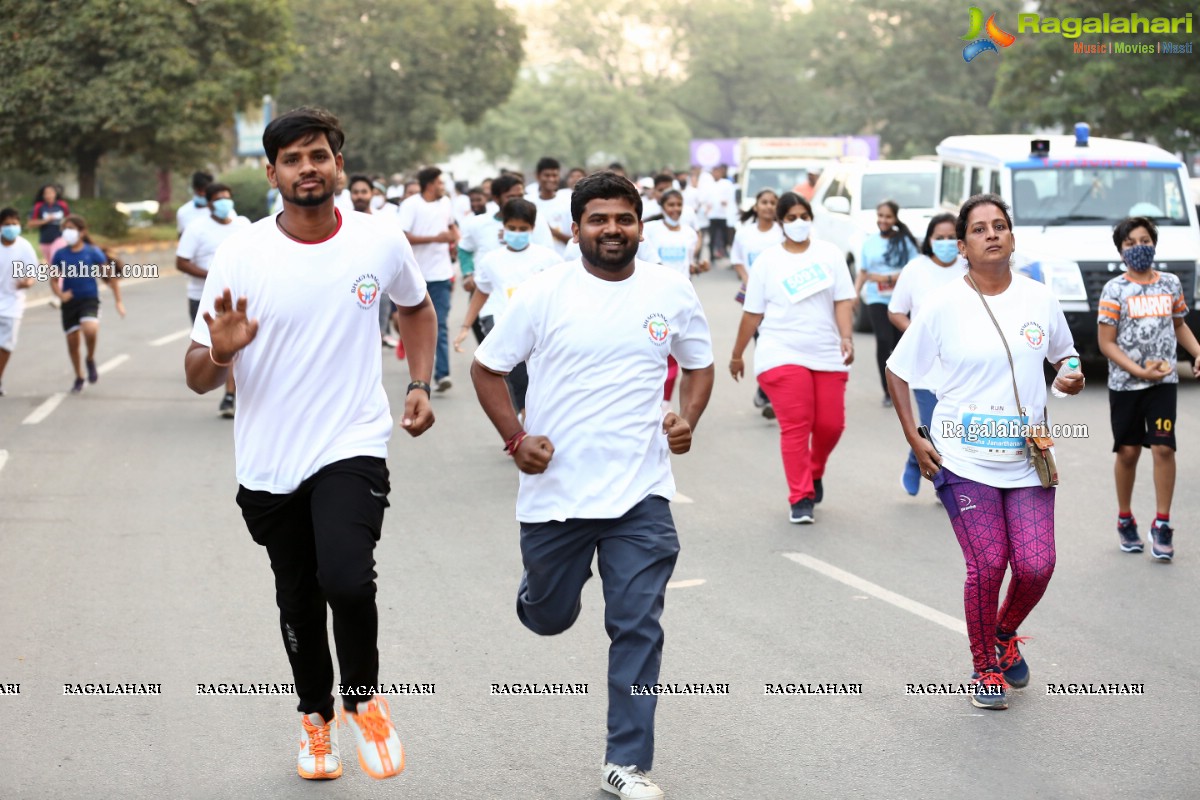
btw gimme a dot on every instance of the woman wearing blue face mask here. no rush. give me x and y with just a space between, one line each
800 298
1141 323
938 265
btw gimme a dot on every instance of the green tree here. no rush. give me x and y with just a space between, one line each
393 70
1121 95
160 80
579 117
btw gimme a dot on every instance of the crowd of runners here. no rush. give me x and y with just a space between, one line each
578 295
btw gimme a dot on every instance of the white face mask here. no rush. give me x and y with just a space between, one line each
798 229
377 202
70 236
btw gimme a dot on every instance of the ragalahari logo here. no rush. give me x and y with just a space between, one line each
994 37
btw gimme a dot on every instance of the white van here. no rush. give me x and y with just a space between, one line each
1067 193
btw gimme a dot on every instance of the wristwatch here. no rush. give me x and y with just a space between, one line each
418 385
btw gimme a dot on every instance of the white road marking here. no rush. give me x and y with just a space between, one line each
3 458
170 337
45 409
686 584
874 590
680 497
112 363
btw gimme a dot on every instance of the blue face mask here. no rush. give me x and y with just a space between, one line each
945 250
223 208
199 201
1139 258
517 240
10 232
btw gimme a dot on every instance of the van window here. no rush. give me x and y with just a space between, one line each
952 185
995 187
1097 195
976 181
907 189
777 179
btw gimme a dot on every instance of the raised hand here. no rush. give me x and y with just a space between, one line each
230 330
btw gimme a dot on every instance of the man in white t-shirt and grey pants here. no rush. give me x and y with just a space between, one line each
427 218
595 464
290 305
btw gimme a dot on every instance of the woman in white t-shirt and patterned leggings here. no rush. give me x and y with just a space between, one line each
976 455
799 298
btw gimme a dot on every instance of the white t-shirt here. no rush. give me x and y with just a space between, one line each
502 272
724 201
976 387
920 280
554 213
199 244
750 242
572 253
420 217
12 299
310 385
597 357
187 213
342 200
671 247
795 293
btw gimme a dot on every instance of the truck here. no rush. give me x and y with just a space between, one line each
1066 194
782 163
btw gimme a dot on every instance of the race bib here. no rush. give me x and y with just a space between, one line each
807 281
992 432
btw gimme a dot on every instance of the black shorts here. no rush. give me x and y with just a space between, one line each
78 309
1143 417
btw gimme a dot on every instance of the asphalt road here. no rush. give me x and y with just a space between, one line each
123 558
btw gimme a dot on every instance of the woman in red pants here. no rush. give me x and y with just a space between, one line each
799 297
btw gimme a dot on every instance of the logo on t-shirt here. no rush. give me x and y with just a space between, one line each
1151 305
656 325
366 290
1034 334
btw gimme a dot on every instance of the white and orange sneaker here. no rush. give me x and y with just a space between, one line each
319 758
380 753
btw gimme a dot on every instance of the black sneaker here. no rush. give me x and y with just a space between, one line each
1012 663
802 512
92 374
818 490
1 391
228 406
768 411
1160 541
990 690
887 401
1130 541
78 386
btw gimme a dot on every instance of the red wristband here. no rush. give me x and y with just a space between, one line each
512 444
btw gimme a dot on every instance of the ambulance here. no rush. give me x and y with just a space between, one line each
1066 194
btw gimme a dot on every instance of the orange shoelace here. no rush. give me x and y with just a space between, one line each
318 738
992 679
372 722
1010 655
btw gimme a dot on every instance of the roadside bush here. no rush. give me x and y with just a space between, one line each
101 215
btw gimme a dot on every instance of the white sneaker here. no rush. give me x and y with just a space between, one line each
380 753
628 782
319 758
444 383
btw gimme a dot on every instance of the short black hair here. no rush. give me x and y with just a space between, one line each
428 176
520 209
213 189
9 213
504 183
603 186
475 190
1123 229
304 123
200 181
360 179
546 163
787 201
960 225
615 166
664 178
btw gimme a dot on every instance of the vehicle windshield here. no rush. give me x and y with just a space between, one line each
778 180
1097 196
906 189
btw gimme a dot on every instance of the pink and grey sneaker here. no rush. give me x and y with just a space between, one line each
319 758
1160 541
380 753
1128 532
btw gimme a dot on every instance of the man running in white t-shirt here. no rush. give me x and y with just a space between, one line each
595 471
290 305
195 253
427 218
553 207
